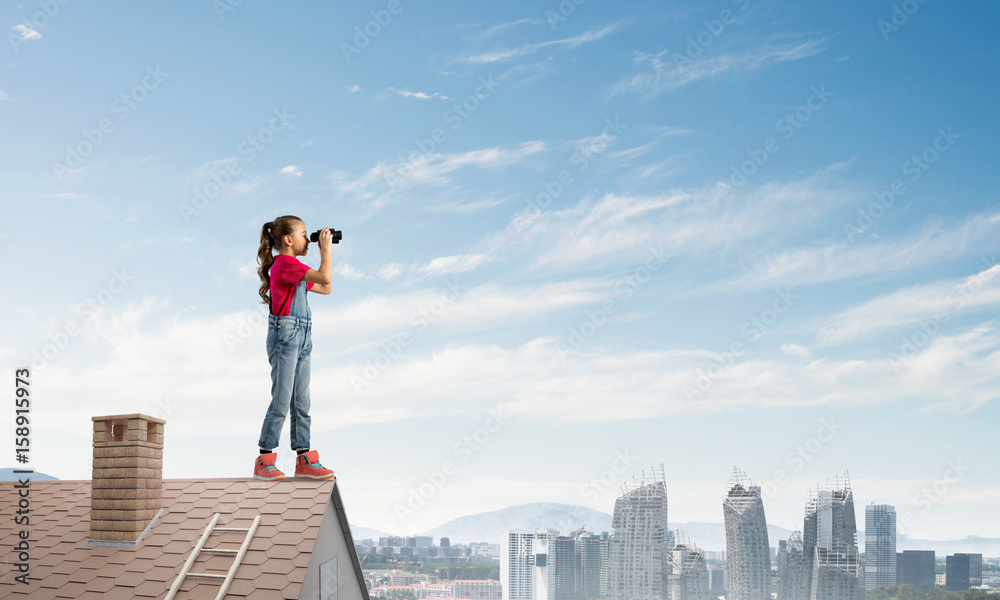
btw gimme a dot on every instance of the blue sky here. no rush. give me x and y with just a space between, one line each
743 233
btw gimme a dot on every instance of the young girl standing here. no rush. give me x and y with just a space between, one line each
284 283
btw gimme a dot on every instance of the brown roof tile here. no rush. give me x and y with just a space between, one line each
274 566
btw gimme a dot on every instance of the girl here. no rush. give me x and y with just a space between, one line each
284 283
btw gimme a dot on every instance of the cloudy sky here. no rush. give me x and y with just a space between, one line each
580 239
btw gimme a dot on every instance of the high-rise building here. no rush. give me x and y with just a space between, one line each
639 545
716 578
880 546
748 556
793 569
963 571
605 564
829 540
687 575
525 573
916 568
565 560
590 565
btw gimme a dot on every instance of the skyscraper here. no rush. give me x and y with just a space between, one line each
590 565
748 557
880 546
639 545
829 541
524 565
963 571
687 575
916 568
793 569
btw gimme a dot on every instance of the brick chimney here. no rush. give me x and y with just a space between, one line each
126 493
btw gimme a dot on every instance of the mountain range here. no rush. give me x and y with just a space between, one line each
490 527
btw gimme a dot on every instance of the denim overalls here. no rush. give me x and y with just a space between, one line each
289 350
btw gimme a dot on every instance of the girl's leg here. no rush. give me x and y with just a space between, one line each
283 358
301 401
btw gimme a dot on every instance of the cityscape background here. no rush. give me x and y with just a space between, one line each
579 239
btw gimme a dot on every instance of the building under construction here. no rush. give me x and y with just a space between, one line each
793 569
830 543
687 575
748 556
639 546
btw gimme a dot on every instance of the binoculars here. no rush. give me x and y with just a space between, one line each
337 236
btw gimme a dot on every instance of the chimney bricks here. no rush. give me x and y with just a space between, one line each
128 476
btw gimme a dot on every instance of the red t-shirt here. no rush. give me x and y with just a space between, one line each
286 273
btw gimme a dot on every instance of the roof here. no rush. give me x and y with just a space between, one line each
64 565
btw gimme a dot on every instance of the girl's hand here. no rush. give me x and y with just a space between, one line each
325 240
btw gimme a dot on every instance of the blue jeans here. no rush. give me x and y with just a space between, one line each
289 350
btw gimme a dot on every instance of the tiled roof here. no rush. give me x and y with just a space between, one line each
63 565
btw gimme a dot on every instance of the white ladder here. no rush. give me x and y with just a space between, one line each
200 547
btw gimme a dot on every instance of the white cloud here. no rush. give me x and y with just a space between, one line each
345 270
378 185
526 49
418 95
354 89
796 350
668 71
494 29
453 264
291 171
844 260
26 32
621 227
3 95
933 302
390 271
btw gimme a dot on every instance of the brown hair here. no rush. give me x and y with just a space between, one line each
272 235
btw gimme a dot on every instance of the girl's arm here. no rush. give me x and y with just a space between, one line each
325 273
320 288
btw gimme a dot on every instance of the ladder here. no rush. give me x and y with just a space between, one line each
200 547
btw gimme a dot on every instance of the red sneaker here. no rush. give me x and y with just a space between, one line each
263 468
307 466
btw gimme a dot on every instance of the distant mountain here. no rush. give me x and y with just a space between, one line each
972 544
366 533
490 526
8 474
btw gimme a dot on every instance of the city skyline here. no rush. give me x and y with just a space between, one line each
579 238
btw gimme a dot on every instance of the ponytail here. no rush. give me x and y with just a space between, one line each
272 236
